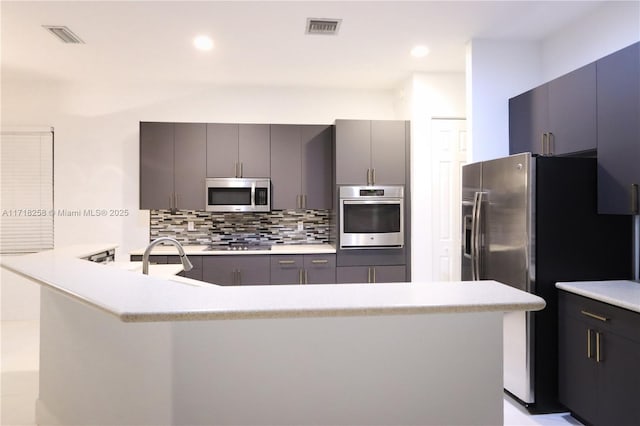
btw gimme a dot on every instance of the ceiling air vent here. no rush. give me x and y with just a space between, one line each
323 26
64 34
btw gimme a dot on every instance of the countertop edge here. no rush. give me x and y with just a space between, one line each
616 293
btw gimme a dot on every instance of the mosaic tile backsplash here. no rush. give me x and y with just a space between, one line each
222 229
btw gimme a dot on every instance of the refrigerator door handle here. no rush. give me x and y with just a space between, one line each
475 236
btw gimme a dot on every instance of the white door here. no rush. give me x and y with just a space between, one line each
449 142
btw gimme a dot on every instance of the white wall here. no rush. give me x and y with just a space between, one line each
496 71
607 29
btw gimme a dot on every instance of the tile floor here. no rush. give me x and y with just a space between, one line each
19 383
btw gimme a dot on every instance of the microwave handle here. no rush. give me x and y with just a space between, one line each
253 194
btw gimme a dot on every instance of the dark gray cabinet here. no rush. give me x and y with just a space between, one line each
618 132
598 358
370 152
371 274
303 269
301 166
238 150
236 269
556 118
172 165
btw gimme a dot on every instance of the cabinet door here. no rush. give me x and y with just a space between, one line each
577 375
353 274
320 268
388 152
619 381
253 269
572 111
156 165
390 274
286 172
528 121
286 269
353 151
254 150
317 168
618 112
222 150
190 165
220 270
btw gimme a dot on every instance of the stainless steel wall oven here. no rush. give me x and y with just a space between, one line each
371 217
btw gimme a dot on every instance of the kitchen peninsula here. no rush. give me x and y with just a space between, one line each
119 347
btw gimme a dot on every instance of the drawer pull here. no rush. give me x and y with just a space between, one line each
589 353
594 316
320 261
599 357
286 262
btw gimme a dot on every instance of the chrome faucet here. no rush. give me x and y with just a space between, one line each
186 264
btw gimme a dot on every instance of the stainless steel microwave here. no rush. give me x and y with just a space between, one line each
371 217
238 195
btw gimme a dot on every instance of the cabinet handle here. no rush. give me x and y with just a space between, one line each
635 203
241 169
298 201
286 262
368 176
550 143
300 279
373 176
374 274
589 353
594 316
320 261
176 205
543 143
368 275
306 280
599 357
303 204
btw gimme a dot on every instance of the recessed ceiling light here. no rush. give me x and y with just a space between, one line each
420 51
203 42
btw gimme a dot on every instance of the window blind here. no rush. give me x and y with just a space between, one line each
26 195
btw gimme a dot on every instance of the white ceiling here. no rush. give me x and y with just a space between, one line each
263 42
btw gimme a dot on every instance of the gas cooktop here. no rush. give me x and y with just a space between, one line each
239 247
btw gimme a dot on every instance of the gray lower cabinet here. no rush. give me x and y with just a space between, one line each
370 152
172 165
619 132
598 359
303 269
236 269
301 166
371 274
238 150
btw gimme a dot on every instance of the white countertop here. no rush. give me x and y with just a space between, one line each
275 249
165 271
624 294
134 297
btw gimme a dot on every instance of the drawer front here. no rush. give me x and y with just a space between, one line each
601 315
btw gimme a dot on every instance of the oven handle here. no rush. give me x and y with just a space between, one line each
370 201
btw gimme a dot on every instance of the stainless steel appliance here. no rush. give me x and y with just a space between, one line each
371 217
530 222
238 195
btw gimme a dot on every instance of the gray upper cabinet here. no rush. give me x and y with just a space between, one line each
301 170
172 169
238 150
556 118
619 132
370 152
190 141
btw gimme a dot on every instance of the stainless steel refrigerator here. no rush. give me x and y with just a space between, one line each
529 222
